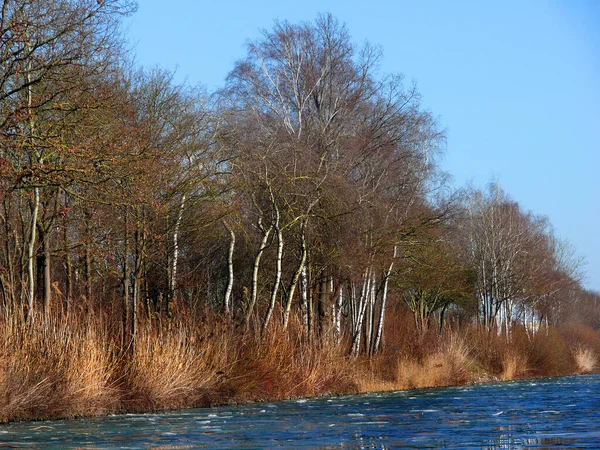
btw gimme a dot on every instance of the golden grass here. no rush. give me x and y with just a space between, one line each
287 365
173 368
446 366
585 359
59 367
52 368
514 366
550 354
585 343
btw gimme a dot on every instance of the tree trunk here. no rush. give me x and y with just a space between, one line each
10 292
323 307
135 301
360 313
254 291
370 325
379 336
88 259
36 199
442 313
126 285
5 293
310 316
47 271
337 319
176 247
304 299
275 289
227 300
68 269
386 279
30 254
295 278
23 256
139 240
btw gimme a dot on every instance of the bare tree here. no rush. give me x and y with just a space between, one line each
50 53
332 145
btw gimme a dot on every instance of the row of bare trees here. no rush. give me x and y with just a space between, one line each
521 268
306 189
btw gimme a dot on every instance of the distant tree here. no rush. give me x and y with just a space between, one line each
519 265
433 277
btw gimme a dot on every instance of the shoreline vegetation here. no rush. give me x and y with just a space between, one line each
289 235
58 368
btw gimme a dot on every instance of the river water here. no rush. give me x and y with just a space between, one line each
550 413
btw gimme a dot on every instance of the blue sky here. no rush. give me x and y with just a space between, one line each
515 84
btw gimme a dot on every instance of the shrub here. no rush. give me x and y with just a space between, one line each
585 359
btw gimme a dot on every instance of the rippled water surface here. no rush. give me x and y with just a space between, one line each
552 413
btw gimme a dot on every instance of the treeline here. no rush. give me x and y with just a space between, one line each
306 190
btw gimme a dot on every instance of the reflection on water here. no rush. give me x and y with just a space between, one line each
553 413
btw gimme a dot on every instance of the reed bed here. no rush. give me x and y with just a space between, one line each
81 365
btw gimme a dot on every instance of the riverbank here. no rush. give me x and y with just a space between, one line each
65 368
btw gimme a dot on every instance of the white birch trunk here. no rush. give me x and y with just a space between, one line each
30 252
353 306
337 318
176 247
295 278
261 249
362 304
36 203
370 313
229 289
275 289
304 297
386 279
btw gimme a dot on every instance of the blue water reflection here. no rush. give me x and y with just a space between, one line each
552 413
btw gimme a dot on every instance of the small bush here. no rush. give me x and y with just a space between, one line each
514 366
447 366
550 354
52 368
286 364
585 359
173 368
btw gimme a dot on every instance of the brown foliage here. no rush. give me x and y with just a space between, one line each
67 368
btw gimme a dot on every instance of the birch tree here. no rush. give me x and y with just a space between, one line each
514 257
334 138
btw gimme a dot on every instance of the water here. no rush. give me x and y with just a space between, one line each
552 413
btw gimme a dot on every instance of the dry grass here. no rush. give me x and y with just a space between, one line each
51 368
521 354
514 366
488 349
369 382
449 365
286 365
550 354
585 344
71 367
581 336
585 359
174 368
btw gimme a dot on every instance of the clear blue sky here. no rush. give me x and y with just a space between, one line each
516 84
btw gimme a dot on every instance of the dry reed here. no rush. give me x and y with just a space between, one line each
585 359
75 366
